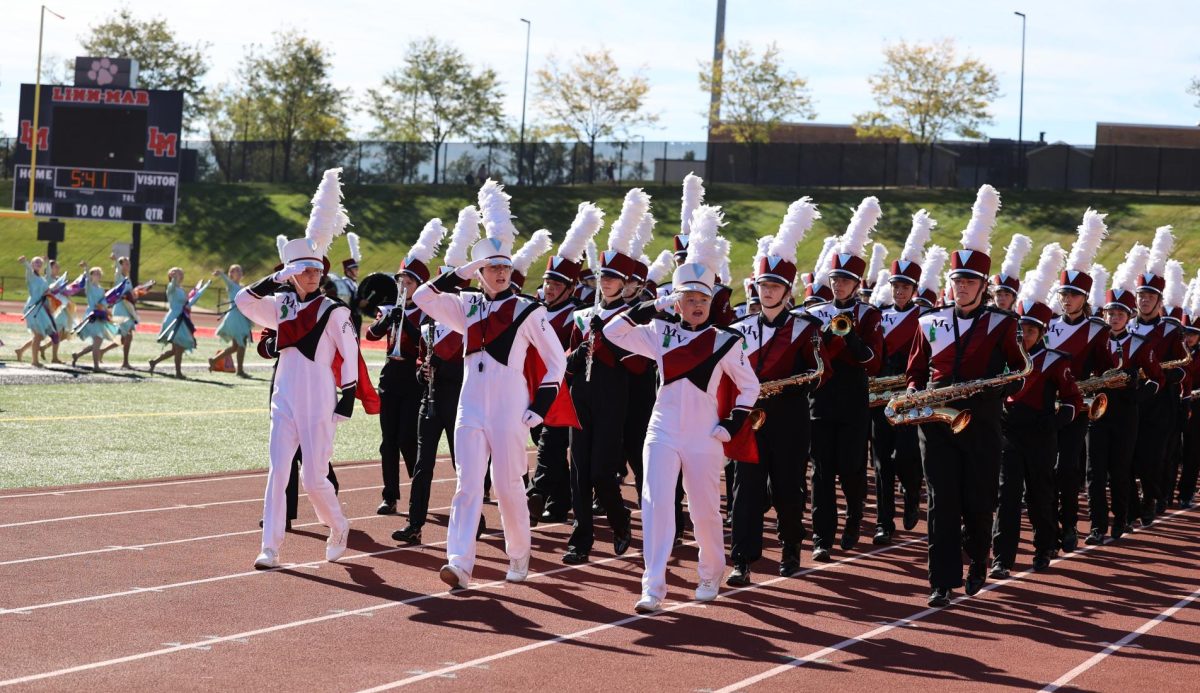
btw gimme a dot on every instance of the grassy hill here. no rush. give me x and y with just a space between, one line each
222 224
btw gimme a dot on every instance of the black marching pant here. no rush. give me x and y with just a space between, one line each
1190 463
1156 419
1110 449
895 454
436 418
293 485
782 443
642 394
598 453
839 452
1173 455
1072 440
552 475
399 409
962 475
1026 469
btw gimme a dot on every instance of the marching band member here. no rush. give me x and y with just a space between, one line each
778 345
1084 339
440 374
842 423
177 331
97 326
599 385
896 450
960 343
1030 423
38 319
313 392
1190 463
1112 438
1173 323
1006 284
686 429
61 308
233 326
127 312
496 410
1156 415
399 391
549 495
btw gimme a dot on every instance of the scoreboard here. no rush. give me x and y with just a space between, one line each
105 154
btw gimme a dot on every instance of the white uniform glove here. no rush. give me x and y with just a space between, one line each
468 270
288 272
531 419
720 433
665 302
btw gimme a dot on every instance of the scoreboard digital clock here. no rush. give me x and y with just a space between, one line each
105 154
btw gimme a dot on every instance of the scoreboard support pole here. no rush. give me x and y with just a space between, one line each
135 253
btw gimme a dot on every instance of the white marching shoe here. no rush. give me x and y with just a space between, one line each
706 591
454 577
518 570
269 558
335 546
647 604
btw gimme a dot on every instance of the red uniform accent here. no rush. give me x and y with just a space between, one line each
562 412
1051 379
743 445
899 331
495 323
364 391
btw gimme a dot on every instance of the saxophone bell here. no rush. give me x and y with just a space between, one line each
757 418
1096 406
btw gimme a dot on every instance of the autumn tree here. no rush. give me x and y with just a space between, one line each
755 94
925 91
590 98
437 94
1194 90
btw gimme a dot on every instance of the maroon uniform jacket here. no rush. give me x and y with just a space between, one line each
949 349
1051 381
1084 341
783 347
899 331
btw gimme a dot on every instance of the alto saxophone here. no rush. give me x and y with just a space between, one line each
1095 401
928 406
882 389
758 417
1177 363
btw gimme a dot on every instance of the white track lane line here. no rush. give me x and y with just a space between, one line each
624 621
902 622
231 576
1129 637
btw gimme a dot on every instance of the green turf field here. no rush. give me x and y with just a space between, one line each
211 422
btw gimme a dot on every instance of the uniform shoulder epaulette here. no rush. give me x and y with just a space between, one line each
730 330
1098 320
810 318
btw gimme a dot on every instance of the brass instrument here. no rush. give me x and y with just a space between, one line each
841 324
401 301
758 417
884 388
1177 363
926 406
1096 401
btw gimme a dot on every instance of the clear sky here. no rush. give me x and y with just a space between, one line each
1100 60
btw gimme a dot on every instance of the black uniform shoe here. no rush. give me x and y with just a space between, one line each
820 555
939 597
912 512
1094 538
621 541
975 581
740 577
850 537
573 557
386 508
882 537
598 510
408 535
1160 507
1041 561
537 507
1070 541
1186 502
482 527
554 517
1148 518
1128 528
1118 531
789 562
999 572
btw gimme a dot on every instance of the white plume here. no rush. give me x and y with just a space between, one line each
1087 244
1160 250
1173 291
624 230
352 241
1038 281
693 197
983 219
881 295
931 269
1014 255
1054 300
704 247
593 255
280 241
464 235
748 287
763 250
796 222
645 234
854 241
723 275
878 256
1193 306
660 271
588 220
1099 275
1136 260
821 270
537 246
494 209
922 230
328 218
428 241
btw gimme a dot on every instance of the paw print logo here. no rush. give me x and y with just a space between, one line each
103 71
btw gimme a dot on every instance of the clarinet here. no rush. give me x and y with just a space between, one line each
591 345
427 366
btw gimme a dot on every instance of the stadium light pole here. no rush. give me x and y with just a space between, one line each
1021 111
524 94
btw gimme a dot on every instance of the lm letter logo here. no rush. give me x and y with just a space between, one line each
43 136
161 143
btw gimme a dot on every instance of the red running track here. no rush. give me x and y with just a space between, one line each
137 586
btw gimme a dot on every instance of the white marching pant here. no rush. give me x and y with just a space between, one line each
702 483
472 448
315 440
